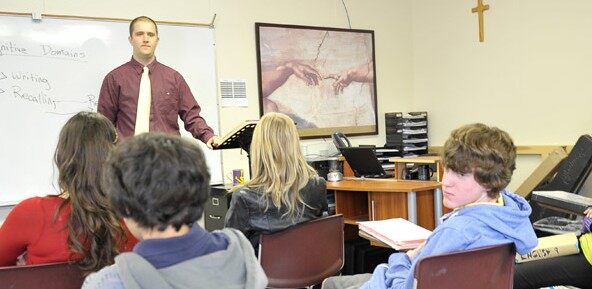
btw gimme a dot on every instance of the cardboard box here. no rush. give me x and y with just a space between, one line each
543 172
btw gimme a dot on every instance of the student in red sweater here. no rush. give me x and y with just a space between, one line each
78 223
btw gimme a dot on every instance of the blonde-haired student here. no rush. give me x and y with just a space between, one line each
284 190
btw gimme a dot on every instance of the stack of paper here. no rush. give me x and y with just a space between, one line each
398 233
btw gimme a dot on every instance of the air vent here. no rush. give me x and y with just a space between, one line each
233 92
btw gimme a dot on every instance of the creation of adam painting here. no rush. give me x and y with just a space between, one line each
323 78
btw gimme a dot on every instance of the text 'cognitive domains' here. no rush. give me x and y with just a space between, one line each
10 48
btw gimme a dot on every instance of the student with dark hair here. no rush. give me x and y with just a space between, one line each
284 190
479 161
159 185
78 224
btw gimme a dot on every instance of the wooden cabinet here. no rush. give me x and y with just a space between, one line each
378 199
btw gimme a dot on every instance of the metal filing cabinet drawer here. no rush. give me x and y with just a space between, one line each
216 207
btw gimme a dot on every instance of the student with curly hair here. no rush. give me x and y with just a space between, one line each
479 161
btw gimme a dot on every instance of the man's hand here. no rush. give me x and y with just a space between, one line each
214 142
588 212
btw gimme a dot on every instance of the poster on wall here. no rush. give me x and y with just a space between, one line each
323 78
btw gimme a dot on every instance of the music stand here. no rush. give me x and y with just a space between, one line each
239 137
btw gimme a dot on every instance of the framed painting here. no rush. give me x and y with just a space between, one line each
323 78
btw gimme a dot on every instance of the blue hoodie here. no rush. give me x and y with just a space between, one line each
471 227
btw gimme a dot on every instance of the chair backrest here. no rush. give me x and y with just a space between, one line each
303 255
570 177
46 276
489 267
574 170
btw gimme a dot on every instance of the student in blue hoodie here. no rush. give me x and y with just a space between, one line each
479 161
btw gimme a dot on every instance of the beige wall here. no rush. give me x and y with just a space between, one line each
529 77
235 42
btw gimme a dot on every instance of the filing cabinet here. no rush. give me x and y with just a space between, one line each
216 207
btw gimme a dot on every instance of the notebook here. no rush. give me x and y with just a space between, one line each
364 162
398 233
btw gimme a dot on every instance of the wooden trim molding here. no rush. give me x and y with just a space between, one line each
542 150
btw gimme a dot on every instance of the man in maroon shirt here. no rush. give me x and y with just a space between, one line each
171 96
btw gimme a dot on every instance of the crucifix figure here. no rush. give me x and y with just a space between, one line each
479 10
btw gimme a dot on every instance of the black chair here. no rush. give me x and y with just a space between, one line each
570 176
46 276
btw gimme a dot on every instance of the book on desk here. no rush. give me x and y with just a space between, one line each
398 233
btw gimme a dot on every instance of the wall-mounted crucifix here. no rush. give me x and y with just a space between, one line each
479 10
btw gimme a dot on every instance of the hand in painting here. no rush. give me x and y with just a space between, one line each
362 73
273 79
305 72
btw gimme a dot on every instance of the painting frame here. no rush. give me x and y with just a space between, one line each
323 78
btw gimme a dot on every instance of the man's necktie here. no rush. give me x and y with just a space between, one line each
144 100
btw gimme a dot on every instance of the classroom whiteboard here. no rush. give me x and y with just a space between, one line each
53 68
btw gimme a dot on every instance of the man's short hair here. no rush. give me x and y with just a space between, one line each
157 181
488 152
142 18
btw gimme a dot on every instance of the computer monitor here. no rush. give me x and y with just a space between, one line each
363 162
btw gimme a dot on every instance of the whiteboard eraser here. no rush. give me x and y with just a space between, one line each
36 16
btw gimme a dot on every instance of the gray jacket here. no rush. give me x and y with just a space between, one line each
247 210
233 268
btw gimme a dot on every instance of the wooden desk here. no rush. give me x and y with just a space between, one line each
376 199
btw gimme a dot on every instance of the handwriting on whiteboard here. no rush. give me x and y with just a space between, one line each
36 89
42 50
